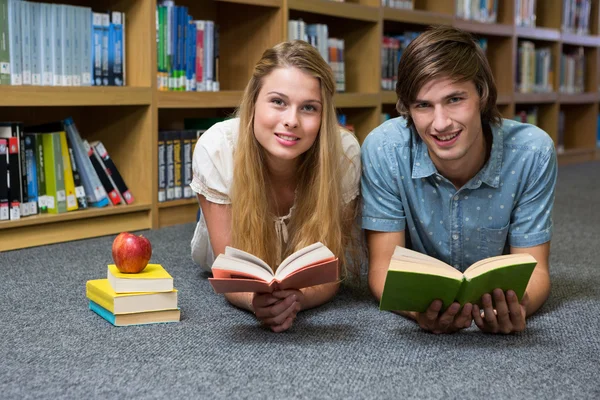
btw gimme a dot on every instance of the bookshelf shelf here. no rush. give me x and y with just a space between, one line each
260 3
416 17
484 28
222 99
504 99
54 228
535 98
579 98
574 156
39 96
177 203
580 40
336 9
355 100
388 97
547 34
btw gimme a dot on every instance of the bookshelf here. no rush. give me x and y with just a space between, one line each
127 119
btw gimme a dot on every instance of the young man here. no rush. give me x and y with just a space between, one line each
450 178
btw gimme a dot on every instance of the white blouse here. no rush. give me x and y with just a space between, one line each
213 176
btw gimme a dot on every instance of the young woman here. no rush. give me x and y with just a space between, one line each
280 176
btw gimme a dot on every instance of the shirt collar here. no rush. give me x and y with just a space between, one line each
490 173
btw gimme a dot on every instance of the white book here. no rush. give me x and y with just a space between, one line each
57 44
36 44
66 49
77 38
25 22
86 46
45 38
14 34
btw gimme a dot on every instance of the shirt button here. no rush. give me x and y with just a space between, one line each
456 197
455 236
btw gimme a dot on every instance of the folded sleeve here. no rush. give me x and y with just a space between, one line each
212 164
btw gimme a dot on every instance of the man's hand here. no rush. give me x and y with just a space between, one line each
452 320
508 317
277 310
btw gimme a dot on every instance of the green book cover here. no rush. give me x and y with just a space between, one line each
415 280
4 44
54 174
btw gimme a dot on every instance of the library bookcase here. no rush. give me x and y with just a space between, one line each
127 119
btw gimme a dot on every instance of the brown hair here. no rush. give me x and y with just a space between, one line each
318 213
444 51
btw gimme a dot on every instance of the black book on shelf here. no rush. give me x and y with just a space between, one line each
113 193
112 172
4 213
162 166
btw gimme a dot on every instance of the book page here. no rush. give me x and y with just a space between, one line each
308 255
233 264
251 258
488 264
403 252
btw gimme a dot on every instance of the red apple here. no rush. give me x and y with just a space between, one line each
131 253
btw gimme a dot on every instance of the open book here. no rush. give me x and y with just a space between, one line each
239 271
414 280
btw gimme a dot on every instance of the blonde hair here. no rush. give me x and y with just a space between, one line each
318 213
445 51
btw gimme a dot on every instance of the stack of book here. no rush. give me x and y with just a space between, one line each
134 299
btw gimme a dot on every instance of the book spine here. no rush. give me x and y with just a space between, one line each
187 154
25 20
113 172
96 195
105 48
36 44
79 189
31 175
177 166
117 48
41 176
49 172
14 181
85 16
14 34
46 44
17 132
4 44
104 313
4 210
162 167
76 42
113 194
57 45
59 174
71 198
170 165
97 48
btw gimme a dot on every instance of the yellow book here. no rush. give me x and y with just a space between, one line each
69 182
100 292
154 278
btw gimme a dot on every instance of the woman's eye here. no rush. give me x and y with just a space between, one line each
309 108
277 102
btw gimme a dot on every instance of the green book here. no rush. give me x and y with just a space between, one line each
4 44
414 280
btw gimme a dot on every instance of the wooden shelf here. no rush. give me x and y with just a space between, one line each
177 203
416 17
223 99
55 228
260 3
41 96
504 99
336 9
546 34
572 156
578 98
580 40
535 98
356 100
484 28
389 97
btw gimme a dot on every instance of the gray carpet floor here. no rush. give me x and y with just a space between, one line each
52 346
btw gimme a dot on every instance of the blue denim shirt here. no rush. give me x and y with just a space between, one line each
507 203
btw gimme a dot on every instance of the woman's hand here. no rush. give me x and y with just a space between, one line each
277 310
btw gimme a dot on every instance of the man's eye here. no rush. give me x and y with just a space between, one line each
454 99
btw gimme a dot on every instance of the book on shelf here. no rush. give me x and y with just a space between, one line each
54 174
154 278
141 318
4 210
17 194
111 171
105 179
239 271
101 292
414 280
